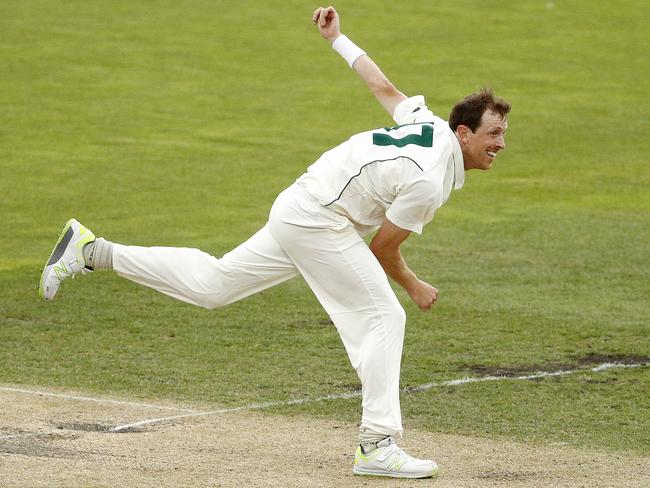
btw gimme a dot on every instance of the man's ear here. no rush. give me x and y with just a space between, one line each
463 132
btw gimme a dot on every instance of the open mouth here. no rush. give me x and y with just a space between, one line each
492 154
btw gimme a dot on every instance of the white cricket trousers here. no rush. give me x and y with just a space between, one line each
301 237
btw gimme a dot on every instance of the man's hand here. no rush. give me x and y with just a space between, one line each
327 21
424 295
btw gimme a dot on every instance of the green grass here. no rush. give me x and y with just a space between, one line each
177 123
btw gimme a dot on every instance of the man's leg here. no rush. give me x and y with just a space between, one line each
187 274
352 287
196 277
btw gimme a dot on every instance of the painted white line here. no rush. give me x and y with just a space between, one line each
140 423
27 434
354 394
93 399
534 376
244 408
14 436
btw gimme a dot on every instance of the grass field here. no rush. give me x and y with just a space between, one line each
177 123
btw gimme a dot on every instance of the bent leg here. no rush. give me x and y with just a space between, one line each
196 277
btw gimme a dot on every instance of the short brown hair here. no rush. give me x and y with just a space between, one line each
470 109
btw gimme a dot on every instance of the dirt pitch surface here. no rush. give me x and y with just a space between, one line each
61 442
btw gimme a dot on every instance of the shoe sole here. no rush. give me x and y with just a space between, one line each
61 243
392 474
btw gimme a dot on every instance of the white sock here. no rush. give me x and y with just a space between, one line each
99 254
368 439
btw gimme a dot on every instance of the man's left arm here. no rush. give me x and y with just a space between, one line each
385 246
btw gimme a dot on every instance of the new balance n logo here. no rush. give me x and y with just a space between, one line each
61 271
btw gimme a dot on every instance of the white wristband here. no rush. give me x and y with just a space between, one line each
347 49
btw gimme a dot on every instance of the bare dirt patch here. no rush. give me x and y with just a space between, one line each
579 362
54 442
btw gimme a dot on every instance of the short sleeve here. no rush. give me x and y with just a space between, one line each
412 110
415 205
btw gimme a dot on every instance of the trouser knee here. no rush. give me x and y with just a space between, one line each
396 322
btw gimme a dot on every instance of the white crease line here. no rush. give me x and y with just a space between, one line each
30 434
92 399
27 434
534 376
245 408
354 394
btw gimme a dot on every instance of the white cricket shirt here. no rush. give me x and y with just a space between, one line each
404 173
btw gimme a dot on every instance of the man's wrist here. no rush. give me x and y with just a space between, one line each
347 49
411 284
333 38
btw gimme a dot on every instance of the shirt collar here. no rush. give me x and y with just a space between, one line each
459 166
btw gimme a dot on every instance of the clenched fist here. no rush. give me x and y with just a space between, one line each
424 295
327 21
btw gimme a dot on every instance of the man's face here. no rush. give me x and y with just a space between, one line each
481 147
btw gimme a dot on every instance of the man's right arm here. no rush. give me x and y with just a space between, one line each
385 246
379 85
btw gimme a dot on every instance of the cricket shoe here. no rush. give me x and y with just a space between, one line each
391 461
67 258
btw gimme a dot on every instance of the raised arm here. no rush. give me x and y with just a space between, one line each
327 20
